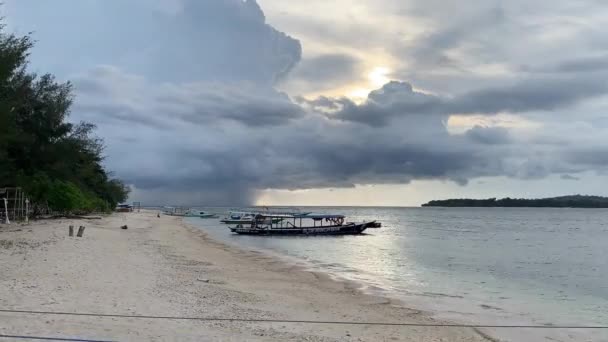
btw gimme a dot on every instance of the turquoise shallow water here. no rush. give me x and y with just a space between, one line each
472 265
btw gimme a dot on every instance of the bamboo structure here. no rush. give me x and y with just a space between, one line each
15 206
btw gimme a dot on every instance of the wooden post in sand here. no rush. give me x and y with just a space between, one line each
27 210
6 211
80 231
71 231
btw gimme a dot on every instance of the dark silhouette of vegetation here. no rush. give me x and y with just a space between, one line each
57 163
575 201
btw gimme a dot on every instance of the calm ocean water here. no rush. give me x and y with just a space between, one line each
471 265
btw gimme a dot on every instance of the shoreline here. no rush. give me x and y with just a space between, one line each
168 267
356 286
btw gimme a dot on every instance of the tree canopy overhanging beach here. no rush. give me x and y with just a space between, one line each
57 162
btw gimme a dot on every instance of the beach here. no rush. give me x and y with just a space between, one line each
165 267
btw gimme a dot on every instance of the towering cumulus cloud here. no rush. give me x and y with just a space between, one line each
181 90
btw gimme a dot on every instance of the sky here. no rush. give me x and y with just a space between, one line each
368 102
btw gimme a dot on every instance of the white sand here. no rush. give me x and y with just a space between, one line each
163 267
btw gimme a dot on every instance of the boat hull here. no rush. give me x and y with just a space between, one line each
346 229
231 221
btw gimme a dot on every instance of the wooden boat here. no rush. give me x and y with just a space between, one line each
244 218
245 221
303 225
124 208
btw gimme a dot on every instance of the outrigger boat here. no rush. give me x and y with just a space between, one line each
243 217
302 225
245 220
238 218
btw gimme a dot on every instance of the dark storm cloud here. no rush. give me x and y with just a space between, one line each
595 156
220 151
386 163
488 135
431 49
211 40
225 40
569 177
135 99
393 99
308 151
577 65
397 99
529 95
238 102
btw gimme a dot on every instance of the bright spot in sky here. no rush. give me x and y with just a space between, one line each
358 95
376 78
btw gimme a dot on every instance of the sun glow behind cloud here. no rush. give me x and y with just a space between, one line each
376 78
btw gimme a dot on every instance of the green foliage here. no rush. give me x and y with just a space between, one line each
37 186
57 162
66 197
115 192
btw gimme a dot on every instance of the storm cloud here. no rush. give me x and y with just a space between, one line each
324 71
116 94
165 40
206 102
396 99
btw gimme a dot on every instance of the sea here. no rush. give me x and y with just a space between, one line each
482 266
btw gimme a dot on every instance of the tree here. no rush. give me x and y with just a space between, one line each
57 162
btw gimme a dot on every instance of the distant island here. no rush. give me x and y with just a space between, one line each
574 201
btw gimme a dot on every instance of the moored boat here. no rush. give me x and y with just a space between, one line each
303 225
243 218
185 212
173 211
245 221
201 214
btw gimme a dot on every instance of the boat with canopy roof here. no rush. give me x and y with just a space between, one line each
310 224
245 217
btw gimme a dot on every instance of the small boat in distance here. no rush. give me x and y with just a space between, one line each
201 214
309 224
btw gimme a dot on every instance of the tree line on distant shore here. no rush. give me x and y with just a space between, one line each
56 162
576 201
